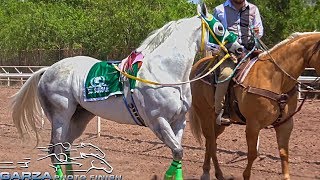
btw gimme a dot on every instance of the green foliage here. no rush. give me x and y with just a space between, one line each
98 26
284 17
105 26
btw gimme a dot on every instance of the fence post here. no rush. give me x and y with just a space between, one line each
299 91
98 126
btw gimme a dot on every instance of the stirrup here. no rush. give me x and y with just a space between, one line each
221 121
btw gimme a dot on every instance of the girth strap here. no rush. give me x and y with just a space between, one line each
130 104
282 99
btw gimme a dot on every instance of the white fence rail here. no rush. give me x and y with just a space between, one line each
17 73
307 79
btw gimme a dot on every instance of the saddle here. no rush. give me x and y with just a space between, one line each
231 103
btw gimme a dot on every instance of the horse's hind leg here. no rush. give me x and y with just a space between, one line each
78 123
283 133
211 132
59 110
60 125
252 134
217 130
207 160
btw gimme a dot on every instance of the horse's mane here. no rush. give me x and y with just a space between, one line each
316 47
157 37
290 39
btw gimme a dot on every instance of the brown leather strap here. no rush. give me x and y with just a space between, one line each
276 124
282 100
263 92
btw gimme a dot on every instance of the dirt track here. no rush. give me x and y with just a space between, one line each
135 153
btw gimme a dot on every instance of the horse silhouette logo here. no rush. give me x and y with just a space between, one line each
83 153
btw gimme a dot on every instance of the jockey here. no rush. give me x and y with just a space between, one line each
237 16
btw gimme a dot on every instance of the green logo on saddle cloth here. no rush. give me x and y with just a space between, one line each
221 33
103 81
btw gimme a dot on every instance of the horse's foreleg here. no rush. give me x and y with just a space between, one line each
252 134
165 133
283 133
178 129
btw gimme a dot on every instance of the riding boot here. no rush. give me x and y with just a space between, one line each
221 120
226 69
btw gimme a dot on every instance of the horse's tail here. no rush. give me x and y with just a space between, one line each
26 108
201 99
195 124
195 121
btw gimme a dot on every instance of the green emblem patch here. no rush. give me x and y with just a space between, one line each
103 81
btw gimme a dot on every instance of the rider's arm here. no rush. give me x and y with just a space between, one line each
257 24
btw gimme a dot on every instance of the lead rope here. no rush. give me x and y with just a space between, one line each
174 84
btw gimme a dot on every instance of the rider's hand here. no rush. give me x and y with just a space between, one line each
256 30
234 58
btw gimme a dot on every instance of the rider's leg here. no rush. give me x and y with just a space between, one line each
226 69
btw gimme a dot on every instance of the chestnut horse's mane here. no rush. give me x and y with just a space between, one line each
316 47
292 38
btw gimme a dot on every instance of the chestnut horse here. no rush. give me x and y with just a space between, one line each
275 72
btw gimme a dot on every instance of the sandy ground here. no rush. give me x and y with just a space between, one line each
136 153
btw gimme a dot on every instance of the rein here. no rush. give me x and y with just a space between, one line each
286 73
204 26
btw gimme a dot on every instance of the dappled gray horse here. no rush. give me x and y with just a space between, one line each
169 53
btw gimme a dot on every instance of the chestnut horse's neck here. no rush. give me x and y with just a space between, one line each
292 56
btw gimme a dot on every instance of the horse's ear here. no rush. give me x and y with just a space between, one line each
202 9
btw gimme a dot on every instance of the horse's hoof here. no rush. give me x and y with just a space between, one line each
205 176
168 177
230 177
155 177
220 177
179 175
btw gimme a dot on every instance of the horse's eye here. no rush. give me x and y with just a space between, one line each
218 29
